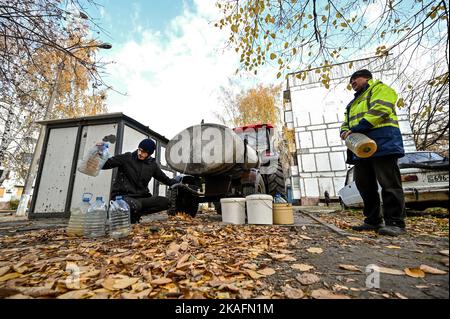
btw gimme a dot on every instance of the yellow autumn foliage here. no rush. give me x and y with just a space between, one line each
69 76
258 105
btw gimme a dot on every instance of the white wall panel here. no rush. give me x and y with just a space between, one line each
326 184
151 186
323 162
323 174
305 139
333 137
308 163
319 138
316 127
296 182
320 150
163 156
337 160
339 182
294 170
303 118
55 176
316 118
162 190
311 187
288 116
335 125
330 117
338 148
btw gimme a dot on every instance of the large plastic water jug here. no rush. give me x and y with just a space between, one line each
94 159
361 145
119 218
95 225
78 216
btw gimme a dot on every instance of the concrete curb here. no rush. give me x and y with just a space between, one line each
332 227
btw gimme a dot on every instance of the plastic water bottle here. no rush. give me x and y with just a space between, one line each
361 145
78 216
95 159
119 218
104 153
278 198
96 216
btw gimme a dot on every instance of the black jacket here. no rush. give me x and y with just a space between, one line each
134 175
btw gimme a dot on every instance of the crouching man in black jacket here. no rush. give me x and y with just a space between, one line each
135 170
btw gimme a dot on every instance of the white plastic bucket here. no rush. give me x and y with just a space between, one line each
259 209
233 210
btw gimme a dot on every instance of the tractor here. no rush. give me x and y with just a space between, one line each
218 162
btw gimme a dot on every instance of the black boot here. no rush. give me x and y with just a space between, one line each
365 227
393 231
135 218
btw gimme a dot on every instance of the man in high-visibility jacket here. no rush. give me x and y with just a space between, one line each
372 112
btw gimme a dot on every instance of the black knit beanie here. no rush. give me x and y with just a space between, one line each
148 145
363 73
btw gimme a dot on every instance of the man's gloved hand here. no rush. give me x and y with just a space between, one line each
100 147
345 134
178 178
175 185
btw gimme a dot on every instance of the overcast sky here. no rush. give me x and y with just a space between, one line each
169 60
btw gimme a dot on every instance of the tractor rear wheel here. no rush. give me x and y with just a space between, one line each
218 207
276 182
258 188
181 201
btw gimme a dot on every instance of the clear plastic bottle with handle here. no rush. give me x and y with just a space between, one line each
95 159
96 216
119 218
78 216
361 145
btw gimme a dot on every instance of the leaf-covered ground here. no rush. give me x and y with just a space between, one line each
180 257
432 222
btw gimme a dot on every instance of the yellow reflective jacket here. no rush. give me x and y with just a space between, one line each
373 113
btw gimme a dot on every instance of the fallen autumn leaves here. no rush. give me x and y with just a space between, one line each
177 258
185 259
421 225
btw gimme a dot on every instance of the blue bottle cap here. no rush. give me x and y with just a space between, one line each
118 197
85 200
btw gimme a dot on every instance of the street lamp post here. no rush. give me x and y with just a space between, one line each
26 194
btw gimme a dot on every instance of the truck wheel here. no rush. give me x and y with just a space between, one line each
181 201
258 188
276 182
172 195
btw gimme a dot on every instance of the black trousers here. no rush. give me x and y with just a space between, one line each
146 205
384 170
